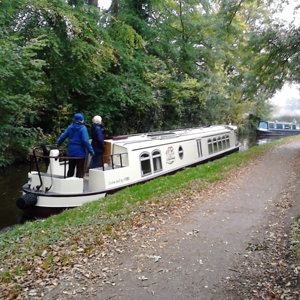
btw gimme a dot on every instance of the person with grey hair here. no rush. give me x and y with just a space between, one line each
97 142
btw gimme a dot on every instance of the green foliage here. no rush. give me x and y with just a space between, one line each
150 65
51 55
21 95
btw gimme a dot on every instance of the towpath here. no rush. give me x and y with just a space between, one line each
227 243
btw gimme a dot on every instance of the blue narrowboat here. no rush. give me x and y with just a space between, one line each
267 128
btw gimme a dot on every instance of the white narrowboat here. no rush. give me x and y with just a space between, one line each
127 160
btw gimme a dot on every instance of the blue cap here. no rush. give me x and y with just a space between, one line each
78 117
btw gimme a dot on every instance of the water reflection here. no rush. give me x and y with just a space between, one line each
11 180
265 140
248 141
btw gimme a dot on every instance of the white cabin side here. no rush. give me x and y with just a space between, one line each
143 157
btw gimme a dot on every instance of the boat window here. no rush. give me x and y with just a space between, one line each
215 143
263 125
156 159
199 148
279 126
210 147
271 125
227 141
220 143
180 152
145 164
224 142
287 126
293 127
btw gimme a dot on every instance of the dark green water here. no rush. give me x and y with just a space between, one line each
11 180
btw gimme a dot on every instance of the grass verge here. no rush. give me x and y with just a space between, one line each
45 246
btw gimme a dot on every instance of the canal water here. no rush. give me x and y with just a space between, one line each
14 177
11 181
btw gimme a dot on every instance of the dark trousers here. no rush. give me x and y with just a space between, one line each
79 164
97 160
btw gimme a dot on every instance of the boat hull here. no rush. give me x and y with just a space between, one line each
277 132
62 201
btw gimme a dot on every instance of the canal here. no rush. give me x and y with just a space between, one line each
11 180
14 177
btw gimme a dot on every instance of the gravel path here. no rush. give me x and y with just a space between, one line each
227 243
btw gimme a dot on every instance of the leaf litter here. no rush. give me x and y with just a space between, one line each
88 255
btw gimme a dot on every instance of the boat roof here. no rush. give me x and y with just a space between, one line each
158 138
282 122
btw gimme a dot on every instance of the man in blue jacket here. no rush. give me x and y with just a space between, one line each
78 144
97 142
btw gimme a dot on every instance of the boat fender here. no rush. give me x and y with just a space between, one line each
26 201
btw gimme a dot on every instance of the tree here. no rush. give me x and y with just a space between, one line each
49 56
22 89
153 64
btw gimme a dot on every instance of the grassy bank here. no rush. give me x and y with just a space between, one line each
37 249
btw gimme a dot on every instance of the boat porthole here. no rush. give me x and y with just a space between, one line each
180 152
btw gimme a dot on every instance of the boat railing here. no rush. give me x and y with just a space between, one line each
114 161
41 153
